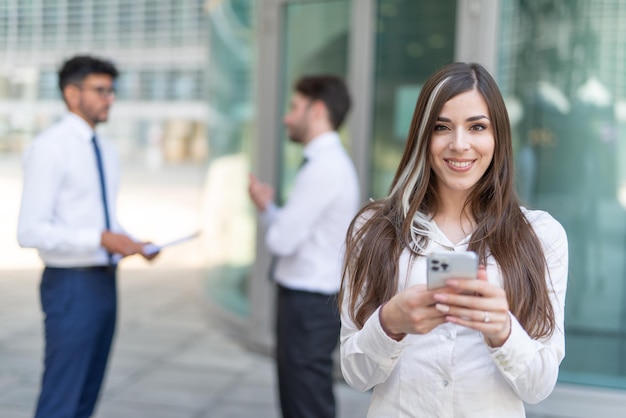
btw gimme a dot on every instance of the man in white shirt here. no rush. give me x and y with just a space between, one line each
71 178
306 237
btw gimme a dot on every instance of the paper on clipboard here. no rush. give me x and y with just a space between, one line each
150 249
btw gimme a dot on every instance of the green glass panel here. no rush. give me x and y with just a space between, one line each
413 39
561 67
315 41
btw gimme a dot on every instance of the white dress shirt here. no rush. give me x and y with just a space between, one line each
451 371
62 213
307 234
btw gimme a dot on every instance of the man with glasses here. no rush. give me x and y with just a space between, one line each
71 177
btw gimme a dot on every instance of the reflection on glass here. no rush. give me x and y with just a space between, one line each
565 87
228 221
413 40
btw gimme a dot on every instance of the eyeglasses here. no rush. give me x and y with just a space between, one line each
103 92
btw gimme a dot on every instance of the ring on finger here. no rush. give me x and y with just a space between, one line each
486 317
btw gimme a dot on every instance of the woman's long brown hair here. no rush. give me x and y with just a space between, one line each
382 229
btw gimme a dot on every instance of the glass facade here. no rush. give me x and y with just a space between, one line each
160 47
314 41
561 67
413 39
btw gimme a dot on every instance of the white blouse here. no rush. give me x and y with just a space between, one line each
451 371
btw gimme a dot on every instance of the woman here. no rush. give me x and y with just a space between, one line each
476 348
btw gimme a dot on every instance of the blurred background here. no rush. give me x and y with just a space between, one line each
203 88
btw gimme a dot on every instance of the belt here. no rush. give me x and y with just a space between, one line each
102 269
286 291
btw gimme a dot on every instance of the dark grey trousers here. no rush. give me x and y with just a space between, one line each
307 334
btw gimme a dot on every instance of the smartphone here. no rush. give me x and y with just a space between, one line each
450 265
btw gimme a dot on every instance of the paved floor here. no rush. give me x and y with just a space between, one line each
170 359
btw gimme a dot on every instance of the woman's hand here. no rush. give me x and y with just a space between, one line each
479 305
411 311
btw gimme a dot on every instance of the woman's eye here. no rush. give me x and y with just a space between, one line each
439 127
478 127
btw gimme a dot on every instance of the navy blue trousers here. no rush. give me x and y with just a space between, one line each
80 311
307 334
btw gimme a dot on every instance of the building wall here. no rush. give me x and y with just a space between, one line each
160 47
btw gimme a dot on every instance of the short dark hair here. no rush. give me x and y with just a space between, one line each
331 90
76 69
